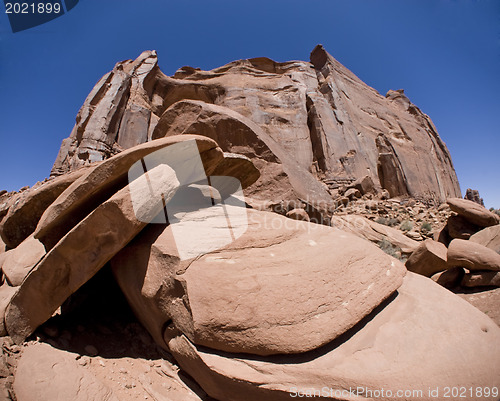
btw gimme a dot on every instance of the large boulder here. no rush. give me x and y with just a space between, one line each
449 278
395 349
473 212
472 256
85 249
283 287
489 237
429 258
103 180
45 373
365 185
19 261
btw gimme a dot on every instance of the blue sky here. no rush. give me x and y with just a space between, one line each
444 53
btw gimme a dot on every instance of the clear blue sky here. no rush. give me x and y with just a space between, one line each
444 53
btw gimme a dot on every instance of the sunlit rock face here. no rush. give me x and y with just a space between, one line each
308 126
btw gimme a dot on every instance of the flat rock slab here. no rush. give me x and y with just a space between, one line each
82 252
473 212
24 214
397 349
374 232
284 286
48 374
489 237
103 180
472 256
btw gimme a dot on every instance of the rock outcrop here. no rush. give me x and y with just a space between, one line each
233 209
306 124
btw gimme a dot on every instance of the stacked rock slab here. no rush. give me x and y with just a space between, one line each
80 250
318 114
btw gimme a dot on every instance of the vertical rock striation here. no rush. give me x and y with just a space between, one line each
319 115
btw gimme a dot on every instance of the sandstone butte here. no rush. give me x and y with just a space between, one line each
305 125
286 306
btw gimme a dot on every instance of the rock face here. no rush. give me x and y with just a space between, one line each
482 279
267 304
19 261
459 227
304 122
103 180
24 214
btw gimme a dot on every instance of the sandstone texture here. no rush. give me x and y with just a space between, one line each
391 349
80 254
103 180
19 261
473 212
47 374
241 234
429 258
461 228
472 256
489 237
449 278
261 294
23 216
298 214
307 123
374 231
481 279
